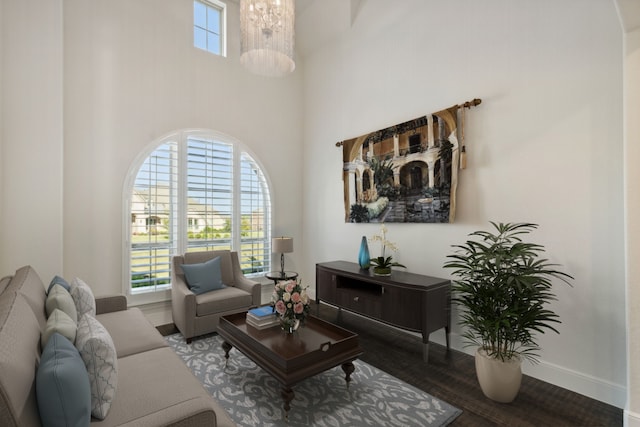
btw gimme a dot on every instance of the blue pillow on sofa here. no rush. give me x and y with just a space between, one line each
62 385
203 277
57 280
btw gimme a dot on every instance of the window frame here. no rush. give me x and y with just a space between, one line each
182 242
222 8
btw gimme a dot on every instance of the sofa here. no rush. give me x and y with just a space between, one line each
154 387
196 314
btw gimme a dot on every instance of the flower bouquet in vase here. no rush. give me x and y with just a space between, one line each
291 302
382 264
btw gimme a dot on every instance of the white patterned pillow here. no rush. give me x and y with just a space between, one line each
83 297
99 355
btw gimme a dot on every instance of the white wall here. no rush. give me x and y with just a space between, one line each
132 75
31 164
632 210
544 146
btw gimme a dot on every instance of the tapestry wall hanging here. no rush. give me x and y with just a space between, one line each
407 172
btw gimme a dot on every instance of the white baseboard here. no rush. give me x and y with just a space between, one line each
590 386
631 419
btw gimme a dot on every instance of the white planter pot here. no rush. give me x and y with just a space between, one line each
499 381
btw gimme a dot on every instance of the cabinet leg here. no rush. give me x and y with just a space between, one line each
446 336
425 352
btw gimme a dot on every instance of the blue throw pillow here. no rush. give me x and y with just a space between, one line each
203 277
57 280
62 385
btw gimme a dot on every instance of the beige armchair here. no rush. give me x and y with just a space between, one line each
196 315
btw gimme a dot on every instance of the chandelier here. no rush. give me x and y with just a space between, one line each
266 36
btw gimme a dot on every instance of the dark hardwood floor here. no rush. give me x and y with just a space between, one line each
450 376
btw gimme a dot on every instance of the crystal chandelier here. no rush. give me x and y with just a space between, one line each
266 32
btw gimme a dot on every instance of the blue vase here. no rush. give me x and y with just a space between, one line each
363 255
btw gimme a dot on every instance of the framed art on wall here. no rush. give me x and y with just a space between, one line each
407 172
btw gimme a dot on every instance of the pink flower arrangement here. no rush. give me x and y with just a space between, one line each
290 300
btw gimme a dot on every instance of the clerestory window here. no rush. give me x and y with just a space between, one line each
195 191
209 26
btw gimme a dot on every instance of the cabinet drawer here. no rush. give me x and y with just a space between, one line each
360 302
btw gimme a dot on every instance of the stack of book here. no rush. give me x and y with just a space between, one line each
262 317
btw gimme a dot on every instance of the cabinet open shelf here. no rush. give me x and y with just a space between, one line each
410 301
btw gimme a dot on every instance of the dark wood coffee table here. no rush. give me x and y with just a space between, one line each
289 358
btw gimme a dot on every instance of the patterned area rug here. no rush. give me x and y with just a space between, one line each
252 397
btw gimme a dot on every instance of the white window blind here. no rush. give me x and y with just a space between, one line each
255 252
196 193
210 193
152 207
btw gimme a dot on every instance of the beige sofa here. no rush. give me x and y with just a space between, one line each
196 315
154 387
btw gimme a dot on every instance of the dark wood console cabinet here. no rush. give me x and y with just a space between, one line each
409 301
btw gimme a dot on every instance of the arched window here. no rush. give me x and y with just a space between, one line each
194 191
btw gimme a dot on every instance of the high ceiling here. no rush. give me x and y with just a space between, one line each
319 21
629 11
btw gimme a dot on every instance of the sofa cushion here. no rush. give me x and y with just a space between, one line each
203 277
27 283
59 322
19 356
57 280
224 300
60 299
83 297
4 282
130 340
62 385
157 382
99 355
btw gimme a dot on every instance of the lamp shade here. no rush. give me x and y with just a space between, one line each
282 245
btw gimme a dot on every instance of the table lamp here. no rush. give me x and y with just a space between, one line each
282 245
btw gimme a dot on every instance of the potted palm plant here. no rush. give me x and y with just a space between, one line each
503 288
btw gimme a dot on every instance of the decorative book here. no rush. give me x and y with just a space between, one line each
262 317
263 311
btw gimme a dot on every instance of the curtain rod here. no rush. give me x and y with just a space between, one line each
474 102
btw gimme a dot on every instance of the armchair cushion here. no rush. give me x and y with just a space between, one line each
221 301
203 277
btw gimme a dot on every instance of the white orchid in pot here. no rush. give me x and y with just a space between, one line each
503 288
382 264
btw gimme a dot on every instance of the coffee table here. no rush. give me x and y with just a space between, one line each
289 358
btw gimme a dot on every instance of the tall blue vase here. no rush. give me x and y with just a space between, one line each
363 255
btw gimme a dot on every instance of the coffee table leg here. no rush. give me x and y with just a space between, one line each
348 369
227 348
287 394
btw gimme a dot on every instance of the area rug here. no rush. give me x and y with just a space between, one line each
252 397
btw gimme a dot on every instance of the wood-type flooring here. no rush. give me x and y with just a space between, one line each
450 376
